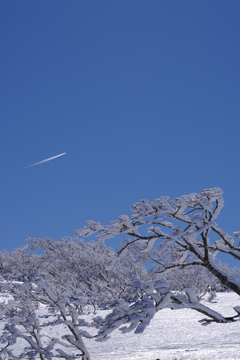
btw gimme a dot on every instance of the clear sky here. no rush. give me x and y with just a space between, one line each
143 96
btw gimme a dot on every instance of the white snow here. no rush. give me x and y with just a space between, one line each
174 335
177 335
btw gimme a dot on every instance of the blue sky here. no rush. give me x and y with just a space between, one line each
143 96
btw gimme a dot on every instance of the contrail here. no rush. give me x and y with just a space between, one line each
43 161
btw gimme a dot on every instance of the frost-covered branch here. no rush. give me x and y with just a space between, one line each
155 297
197 212
23 321
72 277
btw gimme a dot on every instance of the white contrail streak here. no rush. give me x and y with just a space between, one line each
43 161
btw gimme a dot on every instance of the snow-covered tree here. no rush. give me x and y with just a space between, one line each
70 277
180 244
156 296
20 264
67 280
186 239
199 278
75 262
31 310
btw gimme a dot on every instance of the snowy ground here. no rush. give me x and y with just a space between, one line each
176 335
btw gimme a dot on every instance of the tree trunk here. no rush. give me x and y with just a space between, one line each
224 279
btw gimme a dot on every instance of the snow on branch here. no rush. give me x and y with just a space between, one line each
138 315
196 214
71 276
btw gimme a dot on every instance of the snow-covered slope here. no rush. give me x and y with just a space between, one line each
177 335
173 335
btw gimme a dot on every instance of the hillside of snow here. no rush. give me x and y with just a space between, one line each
172 335
177 335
